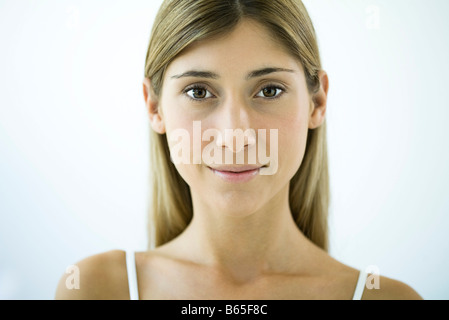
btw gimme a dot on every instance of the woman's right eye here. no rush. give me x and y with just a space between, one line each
198 93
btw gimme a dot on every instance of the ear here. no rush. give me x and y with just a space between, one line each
319 101
152 104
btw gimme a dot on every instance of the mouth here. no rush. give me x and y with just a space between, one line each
236 174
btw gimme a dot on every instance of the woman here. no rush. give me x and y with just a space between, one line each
217 72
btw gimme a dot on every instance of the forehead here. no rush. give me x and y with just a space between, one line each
248 46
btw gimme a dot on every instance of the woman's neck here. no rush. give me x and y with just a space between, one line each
245 246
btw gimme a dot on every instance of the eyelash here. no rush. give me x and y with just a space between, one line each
272 86
203 87
196 87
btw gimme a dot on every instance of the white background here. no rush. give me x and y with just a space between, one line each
74 136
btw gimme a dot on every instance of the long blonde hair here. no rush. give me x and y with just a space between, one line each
178 24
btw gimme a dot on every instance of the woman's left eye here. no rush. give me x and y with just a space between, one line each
198 93
270 92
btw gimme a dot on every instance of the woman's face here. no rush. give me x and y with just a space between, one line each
244 80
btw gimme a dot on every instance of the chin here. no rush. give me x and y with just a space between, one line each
238 203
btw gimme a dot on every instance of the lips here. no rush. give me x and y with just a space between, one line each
236 169
236 174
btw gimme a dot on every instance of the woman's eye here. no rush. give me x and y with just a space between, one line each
270 92
198 93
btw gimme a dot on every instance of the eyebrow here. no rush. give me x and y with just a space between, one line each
213 75
197 74
266 71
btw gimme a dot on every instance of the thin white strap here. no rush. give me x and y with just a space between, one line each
360 286
132 275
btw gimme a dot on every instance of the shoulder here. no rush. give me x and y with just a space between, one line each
388 289
101 276
376 287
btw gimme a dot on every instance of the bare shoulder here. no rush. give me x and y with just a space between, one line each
377 287
390 289
99 277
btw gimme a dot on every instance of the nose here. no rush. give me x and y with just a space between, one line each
234 125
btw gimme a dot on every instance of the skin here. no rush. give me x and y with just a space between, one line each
242 242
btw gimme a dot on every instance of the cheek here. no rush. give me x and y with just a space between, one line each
181 135
292 142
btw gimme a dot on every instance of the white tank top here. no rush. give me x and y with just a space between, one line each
134 290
